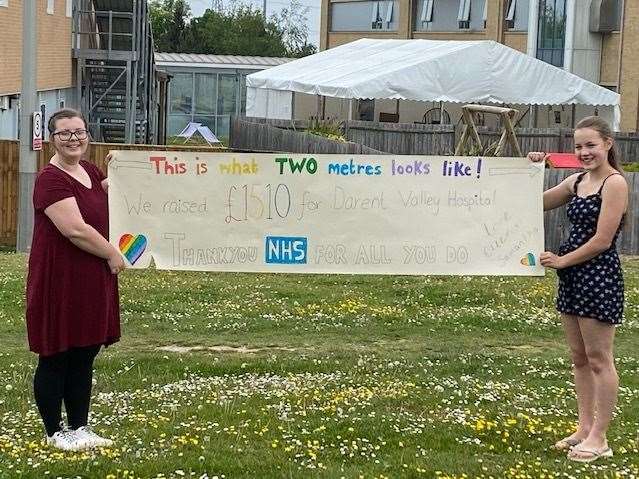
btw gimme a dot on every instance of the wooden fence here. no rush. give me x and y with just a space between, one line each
403 139
260 136
411 139
9 154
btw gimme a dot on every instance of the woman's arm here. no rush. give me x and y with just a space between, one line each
614 200
66 216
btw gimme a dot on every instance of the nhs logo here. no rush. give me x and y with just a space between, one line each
286 249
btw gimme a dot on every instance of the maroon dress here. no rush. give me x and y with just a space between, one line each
72 296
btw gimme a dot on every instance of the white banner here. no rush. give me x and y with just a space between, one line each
306 213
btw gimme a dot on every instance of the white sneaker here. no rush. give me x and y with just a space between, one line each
86 434
67 441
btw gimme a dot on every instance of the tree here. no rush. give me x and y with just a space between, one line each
238 29
293 23
169 21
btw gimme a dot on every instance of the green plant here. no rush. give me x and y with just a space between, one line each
330 129
471 148
631 167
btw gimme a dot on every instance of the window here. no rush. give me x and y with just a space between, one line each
463 16
363 16
176 123
69 8
50 7
446 15
427 11
376 19
516 15
551 32
389 13
484 15
60 98
510 14
205 93
366 110
181 90
243 94
619 11
227 95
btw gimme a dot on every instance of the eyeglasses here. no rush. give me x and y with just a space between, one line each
66 135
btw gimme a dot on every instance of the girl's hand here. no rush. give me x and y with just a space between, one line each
551 260
537 156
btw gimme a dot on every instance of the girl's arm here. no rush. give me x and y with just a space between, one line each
561 194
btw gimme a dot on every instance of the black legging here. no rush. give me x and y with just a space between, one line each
64 376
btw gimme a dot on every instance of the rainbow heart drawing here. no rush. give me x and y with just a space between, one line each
132 247
528 260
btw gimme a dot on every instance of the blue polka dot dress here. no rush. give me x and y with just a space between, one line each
594 288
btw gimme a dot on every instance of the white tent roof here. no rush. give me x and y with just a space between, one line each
432 70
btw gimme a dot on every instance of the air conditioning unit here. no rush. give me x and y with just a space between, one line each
604 16
5 102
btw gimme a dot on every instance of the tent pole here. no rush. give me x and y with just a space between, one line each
350 109
530 116
292 106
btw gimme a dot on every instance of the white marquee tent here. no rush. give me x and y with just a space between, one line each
423 70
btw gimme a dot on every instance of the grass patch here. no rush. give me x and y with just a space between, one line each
322 376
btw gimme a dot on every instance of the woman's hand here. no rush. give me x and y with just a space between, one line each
551 260
537 156
105 182
116 263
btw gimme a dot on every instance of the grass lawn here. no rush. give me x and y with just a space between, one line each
259 375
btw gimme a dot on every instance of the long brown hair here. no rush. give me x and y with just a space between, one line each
603 128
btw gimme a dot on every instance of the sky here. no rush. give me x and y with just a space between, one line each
273 6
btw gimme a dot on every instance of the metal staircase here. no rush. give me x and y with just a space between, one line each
115 70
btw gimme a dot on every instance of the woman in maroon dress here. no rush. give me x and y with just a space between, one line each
72 290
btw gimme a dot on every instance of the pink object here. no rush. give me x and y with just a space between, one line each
563 160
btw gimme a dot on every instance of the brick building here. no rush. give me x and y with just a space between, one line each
55 72
93 55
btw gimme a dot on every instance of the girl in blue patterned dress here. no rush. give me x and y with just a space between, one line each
590 295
